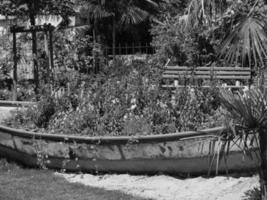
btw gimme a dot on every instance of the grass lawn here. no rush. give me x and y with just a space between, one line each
32 184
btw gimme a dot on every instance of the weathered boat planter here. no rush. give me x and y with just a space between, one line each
180 153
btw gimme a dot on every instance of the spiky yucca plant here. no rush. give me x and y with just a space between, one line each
250 111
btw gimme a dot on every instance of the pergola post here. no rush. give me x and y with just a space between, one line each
264 79
51 58
15 75
33 30
35 62
47 53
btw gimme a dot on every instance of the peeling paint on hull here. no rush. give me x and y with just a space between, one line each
183 153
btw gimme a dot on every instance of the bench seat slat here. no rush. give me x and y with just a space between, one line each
207 73
172 76
224 68
224 77
207 68
221 74
205 86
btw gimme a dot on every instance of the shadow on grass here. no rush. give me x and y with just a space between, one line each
32 184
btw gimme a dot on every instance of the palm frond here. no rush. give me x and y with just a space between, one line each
133 15
95 10
247 42
77 29
152 2
248 109
203 12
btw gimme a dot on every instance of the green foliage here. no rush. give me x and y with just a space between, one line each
125 12
25 92
193 108
106 104
5 67
119 13
45 109
172 7
248 109
5 57
126 99
245 40
189 47
21 117
253 194
232 32
26 8
5 94
77 52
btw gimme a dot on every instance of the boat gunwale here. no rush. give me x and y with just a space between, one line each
4 103
210 132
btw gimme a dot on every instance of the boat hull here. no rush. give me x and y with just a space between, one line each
193 153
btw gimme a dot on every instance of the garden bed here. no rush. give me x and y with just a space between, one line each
123 100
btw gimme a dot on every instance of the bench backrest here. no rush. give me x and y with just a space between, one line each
207 73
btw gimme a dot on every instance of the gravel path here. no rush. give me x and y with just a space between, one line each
169 188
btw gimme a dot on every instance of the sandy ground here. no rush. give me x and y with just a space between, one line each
169 188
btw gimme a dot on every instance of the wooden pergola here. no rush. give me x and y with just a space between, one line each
48 36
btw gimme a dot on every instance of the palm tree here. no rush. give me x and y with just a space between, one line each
247 39
241 24
250 111
121 11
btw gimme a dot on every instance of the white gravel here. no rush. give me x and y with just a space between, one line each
169 188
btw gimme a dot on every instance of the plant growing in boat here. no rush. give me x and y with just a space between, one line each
253 194
128 103
249 110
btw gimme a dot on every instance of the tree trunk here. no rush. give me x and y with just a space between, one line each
113 37
34 53
263 168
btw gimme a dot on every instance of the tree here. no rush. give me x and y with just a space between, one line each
220 31
121 12
29 10
241 24
249 110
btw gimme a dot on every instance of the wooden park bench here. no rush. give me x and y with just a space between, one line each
229 77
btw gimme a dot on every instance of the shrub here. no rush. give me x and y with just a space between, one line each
33 117
253 194
44 110
5 94
20 118
125 99
184 46
133 104
192 107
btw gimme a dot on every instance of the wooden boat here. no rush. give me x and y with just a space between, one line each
184 153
